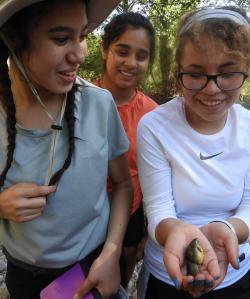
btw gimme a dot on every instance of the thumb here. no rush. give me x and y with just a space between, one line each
84 289
231 246
172 264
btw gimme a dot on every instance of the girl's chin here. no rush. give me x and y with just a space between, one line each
126 84
63 88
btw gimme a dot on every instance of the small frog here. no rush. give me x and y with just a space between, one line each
195 257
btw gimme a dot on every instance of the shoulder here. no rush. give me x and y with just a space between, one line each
164 120
241 116
163 114
90 92
146 100
93 102
241 110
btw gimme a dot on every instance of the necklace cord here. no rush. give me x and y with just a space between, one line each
56 127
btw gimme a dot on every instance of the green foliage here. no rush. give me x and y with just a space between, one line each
241 3
92 66
164 15
246 94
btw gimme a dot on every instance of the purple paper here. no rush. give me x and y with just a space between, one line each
64 286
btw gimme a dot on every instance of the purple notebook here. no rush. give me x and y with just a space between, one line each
64 286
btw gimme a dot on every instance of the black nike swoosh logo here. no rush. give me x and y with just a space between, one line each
209 157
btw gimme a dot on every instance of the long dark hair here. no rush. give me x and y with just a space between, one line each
19 27
120 23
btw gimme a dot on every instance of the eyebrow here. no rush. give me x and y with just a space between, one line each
231 63
125 46
227 64
122 46
65 29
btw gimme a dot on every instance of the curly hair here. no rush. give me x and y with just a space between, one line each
235 36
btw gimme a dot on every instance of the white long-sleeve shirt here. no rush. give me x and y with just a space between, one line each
193 177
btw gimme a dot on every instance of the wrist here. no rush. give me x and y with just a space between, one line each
112 248
227 223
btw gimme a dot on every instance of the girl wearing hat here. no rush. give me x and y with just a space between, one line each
128 46
60 139
194 161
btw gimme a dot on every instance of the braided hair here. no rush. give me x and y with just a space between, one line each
69 116
19 26
7 102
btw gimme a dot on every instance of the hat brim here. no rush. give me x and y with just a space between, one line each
98 10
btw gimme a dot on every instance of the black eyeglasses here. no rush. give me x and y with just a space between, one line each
225 81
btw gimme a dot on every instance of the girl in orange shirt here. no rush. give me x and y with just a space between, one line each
128 48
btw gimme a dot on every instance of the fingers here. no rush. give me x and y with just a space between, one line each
24 201
231 246
32 190
28 209
29 212
85 288
33 203
213 267
172 264
202 282
210 259
25 212
30 217
174 261
188 283
174 254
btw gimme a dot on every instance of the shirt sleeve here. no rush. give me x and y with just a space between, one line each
155 176
243 211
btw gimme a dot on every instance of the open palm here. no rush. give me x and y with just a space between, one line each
174 256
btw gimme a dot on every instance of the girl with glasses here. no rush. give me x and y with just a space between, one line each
194 165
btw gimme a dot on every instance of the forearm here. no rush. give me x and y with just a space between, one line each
104 273
121 203
155 179
241 218
241 229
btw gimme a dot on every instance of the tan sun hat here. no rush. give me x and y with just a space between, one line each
98 10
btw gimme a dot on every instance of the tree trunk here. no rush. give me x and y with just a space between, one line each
165 55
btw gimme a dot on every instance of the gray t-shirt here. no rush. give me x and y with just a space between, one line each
74 221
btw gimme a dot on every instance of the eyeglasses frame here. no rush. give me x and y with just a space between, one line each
210 77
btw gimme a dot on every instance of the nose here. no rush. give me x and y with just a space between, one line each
131 61
78 52
211 87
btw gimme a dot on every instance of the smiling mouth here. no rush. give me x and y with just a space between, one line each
68 77
68 74
127 74
211 103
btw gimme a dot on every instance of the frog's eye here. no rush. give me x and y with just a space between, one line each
199 248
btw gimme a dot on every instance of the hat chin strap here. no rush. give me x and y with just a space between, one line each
54 140
56 126
31 86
